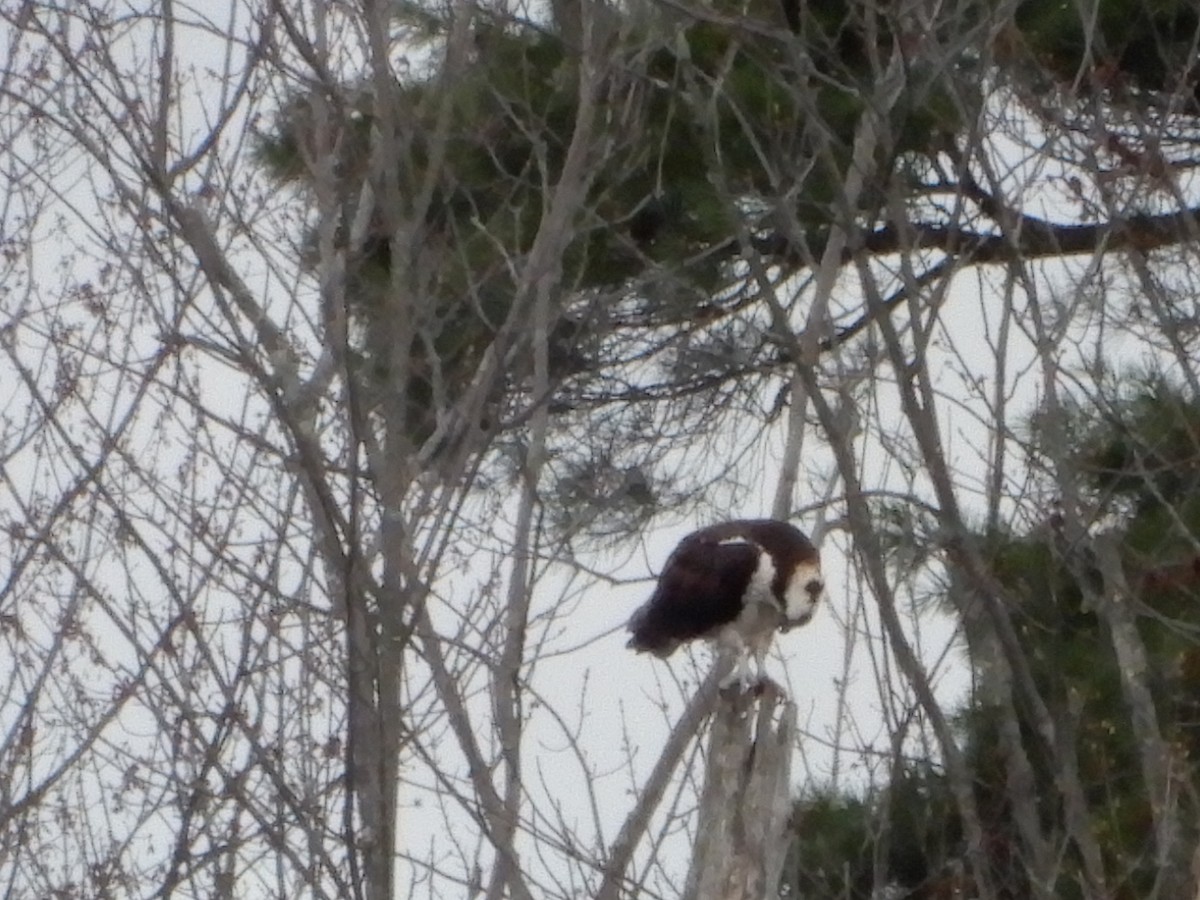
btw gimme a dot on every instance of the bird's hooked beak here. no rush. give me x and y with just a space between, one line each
789 624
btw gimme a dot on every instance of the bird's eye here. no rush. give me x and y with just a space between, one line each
814 587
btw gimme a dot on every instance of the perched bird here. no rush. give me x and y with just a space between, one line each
735 583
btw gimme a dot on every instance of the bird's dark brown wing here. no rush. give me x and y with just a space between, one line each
700 588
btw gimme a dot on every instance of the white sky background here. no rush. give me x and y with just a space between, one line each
622 693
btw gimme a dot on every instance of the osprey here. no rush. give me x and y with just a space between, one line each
735 583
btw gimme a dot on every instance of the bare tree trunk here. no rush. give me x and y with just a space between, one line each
740 839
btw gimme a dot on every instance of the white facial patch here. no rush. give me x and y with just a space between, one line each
800 598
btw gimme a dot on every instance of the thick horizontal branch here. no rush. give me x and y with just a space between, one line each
1031 237
1027 237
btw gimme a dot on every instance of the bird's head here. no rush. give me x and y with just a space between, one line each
802 593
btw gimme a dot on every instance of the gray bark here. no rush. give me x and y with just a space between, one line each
741 827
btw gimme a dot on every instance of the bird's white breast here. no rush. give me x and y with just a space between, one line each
759 588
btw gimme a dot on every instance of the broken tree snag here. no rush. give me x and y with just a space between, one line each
740 832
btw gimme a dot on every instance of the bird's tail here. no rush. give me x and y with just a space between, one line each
647 636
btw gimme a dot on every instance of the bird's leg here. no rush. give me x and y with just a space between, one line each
739 676
760 659
763 683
